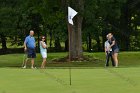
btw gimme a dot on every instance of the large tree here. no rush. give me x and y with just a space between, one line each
75 31
8 19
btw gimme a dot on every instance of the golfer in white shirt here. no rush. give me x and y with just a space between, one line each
108 52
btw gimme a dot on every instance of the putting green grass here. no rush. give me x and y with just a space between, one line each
99 80
87 77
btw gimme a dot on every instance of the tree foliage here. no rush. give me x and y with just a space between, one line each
49 18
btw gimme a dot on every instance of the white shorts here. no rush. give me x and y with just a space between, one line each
44 54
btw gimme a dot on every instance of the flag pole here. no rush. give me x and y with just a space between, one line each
71 14
69 32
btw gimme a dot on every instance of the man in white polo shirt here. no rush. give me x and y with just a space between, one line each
108 52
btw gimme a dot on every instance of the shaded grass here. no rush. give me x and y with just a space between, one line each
126 59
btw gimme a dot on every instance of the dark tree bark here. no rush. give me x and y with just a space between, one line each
50 33
57 44
79 37
75 36
99 44
38 35
66 45
89 42
3 41
124 26
127 11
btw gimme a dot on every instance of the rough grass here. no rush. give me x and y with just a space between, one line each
126 59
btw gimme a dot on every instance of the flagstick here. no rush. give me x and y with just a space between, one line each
69 31
70 75
71 14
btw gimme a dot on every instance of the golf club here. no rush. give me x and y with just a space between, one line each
24 58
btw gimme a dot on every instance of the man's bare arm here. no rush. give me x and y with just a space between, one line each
25 47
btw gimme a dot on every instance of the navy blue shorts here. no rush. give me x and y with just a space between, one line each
31 53
116 50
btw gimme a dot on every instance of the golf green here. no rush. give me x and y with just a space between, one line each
56 80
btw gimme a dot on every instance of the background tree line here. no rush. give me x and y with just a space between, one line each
49 18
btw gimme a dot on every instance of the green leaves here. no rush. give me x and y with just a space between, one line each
99 18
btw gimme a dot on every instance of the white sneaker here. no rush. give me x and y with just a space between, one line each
116 66
24 67
33 67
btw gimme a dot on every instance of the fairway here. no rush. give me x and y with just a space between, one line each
99 80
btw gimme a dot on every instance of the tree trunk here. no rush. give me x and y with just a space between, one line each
72 50
38 35
66 45
75 36
98 44
125 21
79 37
89 43
50 33
3 41
57 44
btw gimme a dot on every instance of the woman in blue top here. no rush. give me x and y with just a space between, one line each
115 48
43 51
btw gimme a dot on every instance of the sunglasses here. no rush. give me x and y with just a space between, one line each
43 38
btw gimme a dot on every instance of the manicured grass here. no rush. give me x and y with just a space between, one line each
99 80
87 77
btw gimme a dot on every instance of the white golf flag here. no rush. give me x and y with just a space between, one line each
71 14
